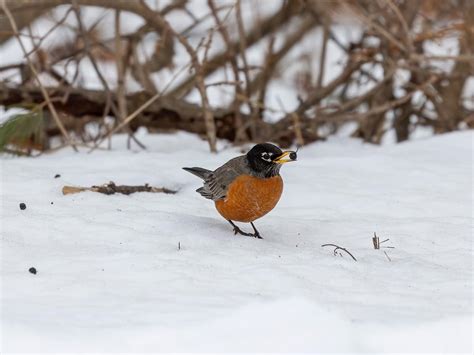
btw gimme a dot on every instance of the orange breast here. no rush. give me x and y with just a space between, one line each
250 198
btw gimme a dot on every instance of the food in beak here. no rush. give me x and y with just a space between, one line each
286 157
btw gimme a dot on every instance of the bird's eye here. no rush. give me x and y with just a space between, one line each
266 156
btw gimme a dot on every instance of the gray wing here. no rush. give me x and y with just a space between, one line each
216 184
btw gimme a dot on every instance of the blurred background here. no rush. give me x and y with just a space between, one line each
75 73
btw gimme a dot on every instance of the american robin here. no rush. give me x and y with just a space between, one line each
246 187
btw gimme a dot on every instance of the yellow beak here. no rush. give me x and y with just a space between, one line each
286 157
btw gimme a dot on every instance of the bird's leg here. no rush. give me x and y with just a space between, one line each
256 234
240 231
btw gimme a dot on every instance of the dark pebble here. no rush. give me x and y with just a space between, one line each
57 176
32 270
22 206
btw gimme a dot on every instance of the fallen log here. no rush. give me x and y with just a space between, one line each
166 114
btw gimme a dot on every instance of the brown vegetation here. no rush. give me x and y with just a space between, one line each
393 41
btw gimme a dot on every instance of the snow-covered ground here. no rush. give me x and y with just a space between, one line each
110 276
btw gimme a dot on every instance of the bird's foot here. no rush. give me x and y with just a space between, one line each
241 232
237 230
257 235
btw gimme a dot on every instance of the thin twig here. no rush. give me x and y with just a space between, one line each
127 120
406 29
51 30
122 104
376 241
371 23
322 57
337 247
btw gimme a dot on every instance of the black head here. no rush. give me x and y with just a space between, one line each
266 159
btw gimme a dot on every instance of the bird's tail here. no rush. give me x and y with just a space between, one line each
199 172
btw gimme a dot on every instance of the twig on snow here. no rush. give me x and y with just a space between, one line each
376 241
337 247
111 188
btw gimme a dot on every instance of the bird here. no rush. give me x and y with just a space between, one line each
247 187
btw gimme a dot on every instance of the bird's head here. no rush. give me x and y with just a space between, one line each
266 159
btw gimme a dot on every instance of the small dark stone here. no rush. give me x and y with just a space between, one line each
32 270
57 176
22 206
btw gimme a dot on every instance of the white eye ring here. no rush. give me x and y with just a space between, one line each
267 156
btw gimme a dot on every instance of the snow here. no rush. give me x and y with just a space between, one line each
111 278
110 275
